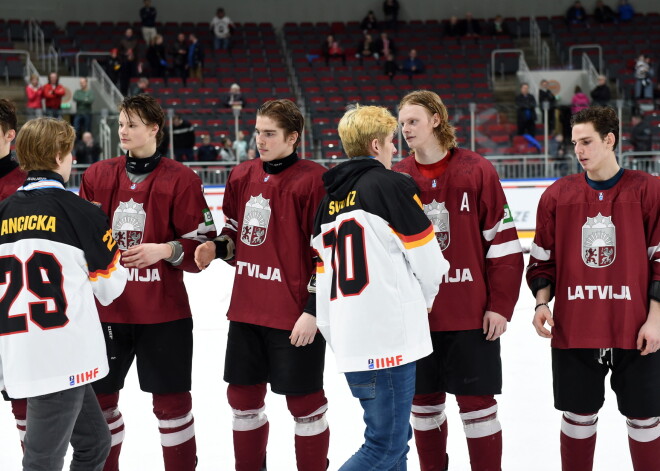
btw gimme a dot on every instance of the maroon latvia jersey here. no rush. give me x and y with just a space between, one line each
601 250
477 235
11 181
168 205
270 219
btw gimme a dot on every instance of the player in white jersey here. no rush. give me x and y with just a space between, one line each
379 272
56 254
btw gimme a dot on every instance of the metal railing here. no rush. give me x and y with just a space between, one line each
28 66
496 52
107 87
36 40
53 60
86 53
576 47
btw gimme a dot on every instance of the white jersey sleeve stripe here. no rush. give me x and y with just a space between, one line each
653 250
489 234
539 253
506 248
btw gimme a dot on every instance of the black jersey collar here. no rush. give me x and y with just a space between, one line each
141 166
276 166
41 179
7 164
607 184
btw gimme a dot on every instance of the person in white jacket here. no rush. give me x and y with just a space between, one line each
378 273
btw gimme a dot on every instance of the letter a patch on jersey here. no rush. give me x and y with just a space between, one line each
128 224
255 221
598 241
439 216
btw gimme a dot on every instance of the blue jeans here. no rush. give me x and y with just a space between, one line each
386 397
221 43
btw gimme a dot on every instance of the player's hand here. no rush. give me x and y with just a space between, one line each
494 325
648 338
145 255
204 254
543 315
304 331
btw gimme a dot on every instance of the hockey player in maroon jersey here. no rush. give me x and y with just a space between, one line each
11 178
597 252
269 206
462 196
159 216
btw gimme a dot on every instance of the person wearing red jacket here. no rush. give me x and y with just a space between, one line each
463 197
34 94
53 93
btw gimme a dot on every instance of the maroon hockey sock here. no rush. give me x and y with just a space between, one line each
112 461
644 441
312 451
19 409
432 448
250 448
578 441
486 452
181 457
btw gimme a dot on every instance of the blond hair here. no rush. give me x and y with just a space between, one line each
361 125
445 133
41 140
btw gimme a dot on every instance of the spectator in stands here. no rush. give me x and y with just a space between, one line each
603 13
86 150
234 97
580 101
625 10
226 151
148 18
576 14
391 66
127 71
470 28
369 23
157 57
195 57
385 45
526 111
498 27
207 152
221 26
331 49
413 65
240 146
179 53
252 153
113 65
601 94
84 98
140 86
366 48
127 44
643 77
391 12
34 94
546 96
453 28
53 93
641 136
183 137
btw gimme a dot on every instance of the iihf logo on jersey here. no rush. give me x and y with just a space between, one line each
255 221
128 224
598 241
439 216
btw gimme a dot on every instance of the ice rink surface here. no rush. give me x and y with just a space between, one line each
530 423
